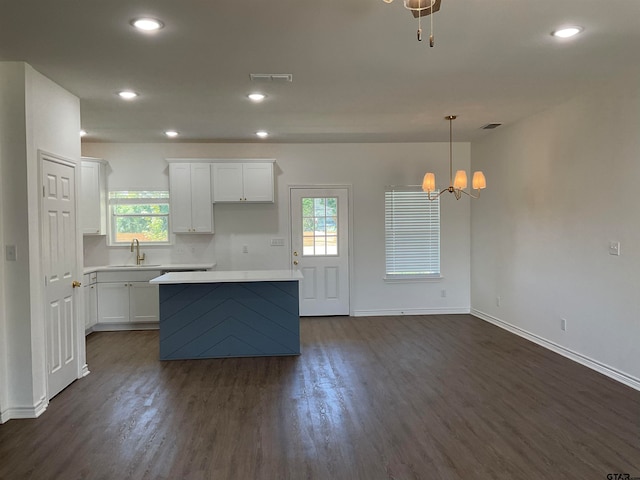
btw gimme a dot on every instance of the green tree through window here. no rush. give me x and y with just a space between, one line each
139 214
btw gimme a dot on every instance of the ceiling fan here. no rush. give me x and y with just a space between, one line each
419 9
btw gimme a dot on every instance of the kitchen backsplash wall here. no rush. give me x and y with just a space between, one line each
365 168
193 249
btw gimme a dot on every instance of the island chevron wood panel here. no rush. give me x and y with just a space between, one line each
241 319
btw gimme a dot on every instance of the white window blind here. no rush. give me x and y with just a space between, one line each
412 233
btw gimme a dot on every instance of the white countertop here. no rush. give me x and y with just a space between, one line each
229 276
164 266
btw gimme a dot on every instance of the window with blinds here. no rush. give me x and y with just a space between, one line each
412 233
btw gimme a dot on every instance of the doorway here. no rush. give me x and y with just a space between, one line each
320 248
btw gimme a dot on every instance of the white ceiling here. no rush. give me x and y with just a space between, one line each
359 74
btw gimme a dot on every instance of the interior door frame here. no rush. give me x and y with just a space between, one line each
82 368
349 188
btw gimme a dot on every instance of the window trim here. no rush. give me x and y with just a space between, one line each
433 207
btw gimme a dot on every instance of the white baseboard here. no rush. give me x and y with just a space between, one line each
610 372
85 371
119 327
409 311
24 412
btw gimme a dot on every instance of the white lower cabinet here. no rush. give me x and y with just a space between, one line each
90 301
144 302
127 299
113 302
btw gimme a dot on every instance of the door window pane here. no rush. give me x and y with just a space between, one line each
319 226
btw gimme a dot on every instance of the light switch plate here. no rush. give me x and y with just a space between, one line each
614 248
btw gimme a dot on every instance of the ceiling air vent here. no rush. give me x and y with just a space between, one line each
272 77
491 126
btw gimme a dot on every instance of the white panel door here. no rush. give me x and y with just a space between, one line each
320 248
60 266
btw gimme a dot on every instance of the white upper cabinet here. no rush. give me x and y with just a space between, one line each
190 193
226 179
93 196
242 181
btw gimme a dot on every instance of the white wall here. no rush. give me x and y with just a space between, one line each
34 114
366 167
562 185
53 126
16 390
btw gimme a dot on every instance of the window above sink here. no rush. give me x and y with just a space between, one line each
141 214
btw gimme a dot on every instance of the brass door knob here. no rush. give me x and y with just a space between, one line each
295 262
75 284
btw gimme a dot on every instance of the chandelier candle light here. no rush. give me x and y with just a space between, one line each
457 184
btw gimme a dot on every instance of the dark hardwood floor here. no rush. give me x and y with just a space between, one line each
421 397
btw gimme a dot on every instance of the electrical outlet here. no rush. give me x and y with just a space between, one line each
498 300
245 249
563 324
443 293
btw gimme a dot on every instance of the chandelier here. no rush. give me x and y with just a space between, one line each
458 184
419 9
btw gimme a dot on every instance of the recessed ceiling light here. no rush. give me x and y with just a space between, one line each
171 133
567 32
147 24
262 134
83 133
127 94
257 97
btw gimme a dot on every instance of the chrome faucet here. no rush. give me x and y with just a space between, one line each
139 259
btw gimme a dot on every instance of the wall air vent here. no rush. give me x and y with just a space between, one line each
272 77
491 126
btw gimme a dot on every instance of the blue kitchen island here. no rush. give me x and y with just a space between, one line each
217 314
